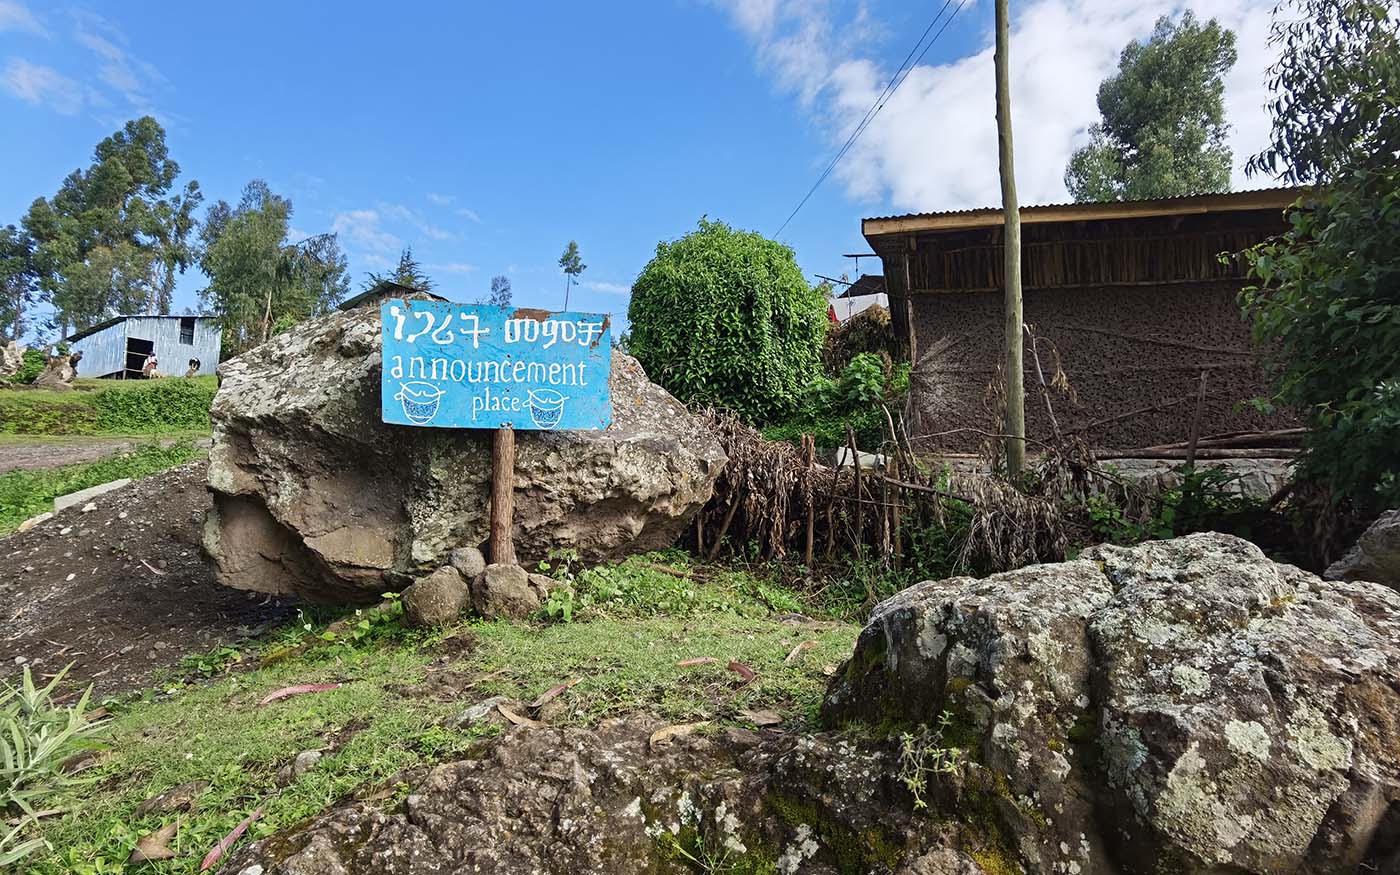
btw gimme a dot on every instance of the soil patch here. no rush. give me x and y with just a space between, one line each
33 454
122 590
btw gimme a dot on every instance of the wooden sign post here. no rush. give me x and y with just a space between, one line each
502 549
451 365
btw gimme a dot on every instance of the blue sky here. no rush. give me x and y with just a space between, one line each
488 135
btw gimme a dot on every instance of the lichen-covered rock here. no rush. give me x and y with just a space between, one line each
469 562
314 495
606 802
1375 556
504 591
437 599
1183 706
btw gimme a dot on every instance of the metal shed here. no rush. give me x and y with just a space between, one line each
117 348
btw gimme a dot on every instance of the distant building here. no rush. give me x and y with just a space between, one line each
117 348
1136 301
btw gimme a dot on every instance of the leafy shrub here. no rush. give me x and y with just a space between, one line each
36 736
1205 500
172 404
857 398
725 318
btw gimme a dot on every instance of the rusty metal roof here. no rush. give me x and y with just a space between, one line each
984 217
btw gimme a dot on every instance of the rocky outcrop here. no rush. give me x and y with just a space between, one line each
607 802
1184 706
314 495
11 358
1375 556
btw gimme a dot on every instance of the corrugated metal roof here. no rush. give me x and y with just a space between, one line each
117 320
987 216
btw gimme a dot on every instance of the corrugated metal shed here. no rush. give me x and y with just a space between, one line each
118 347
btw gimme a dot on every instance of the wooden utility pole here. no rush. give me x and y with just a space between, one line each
502 546
1011 241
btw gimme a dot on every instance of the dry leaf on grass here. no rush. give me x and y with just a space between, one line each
667 733
799 650
743 671
295 690
696 660
829 670
549 694
762 718
517 719
155 846
228 841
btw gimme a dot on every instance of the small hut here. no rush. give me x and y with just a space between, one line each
1136 301
118 348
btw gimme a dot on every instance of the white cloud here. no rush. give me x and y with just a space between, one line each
14 16
401 213
609 288
361 229
933 146
118 69
441 200
42 86
469 214
454 267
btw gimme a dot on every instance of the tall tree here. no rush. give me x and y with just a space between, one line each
1162 132
258 280
1326 303
572 265
500 292
114 237
408 273
16 281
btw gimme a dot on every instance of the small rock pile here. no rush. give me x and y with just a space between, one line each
469 586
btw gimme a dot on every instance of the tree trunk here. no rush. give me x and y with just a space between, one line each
1015 377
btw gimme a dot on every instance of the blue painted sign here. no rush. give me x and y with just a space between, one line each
464 366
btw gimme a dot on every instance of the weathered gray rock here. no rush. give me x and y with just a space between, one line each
504 591
437 599
11 358
603 802
314 495
469 562
543 585
58 373
1183 706
1375 556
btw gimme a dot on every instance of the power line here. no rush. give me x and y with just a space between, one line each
891 87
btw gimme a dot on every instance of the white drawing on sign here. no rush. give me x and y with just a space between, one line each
420 401
546 407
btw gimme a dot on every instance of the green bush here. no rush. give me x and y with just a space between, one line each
857 399
1326 311
174 404
725 318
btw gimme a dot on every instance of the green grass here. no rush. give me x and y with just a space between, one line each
398 688
24 494
92 407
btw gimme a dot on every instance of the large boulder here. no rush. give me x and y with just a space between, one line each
1375 556
11 358
1183 706
577 801
314 495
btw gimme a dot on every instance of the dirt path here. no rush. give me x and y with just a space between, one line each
30 454
121 590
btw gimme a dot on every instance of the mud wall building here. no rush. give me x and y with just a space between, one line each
1133 300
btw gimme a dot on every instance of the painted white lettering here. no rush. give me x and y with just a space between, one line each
589 332
554 369
398 322
442 335
459 370
397 370
439 369
549 330
476 332
422 314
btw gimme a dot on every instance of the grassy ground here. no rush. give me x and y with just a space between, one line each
630 625
24 494
109 407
